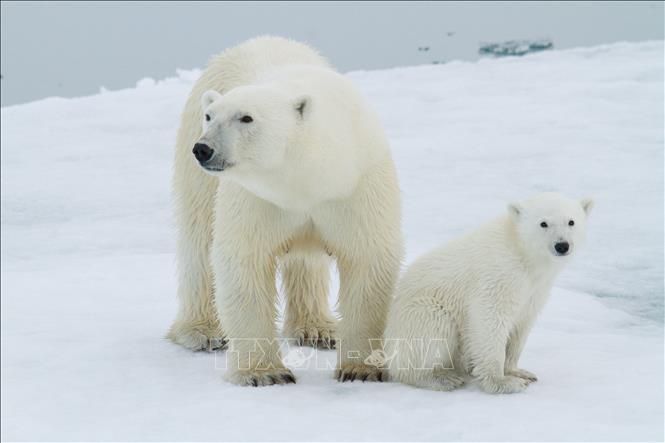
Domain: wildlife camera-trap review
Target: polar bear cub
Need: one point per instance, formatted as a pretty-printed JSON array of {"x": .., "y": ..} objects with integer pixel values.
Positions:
[{"x": 467, "y": 308}]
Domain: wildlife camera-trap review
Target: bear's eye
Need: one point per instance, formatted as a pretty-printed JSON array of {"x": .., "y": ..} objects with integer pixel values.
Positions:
[
  {"x": 571, "y": 223},
  {"x": 543, "y": 225},
  {"x": 246, "y": 119},
  {"x": 207, "y": 117}
]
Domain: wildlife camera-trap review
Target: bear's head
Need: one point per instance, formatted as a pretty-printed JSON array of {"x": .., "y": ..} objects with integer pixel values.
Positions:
[
  {"x": 248, "y": 130},
  {"x": 549, "y": 225}
]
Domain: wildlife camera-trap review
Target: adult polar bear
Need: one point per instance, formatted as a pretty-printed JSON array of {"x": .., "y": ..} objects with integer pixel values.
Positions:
[{"x": 290, "y": 166}]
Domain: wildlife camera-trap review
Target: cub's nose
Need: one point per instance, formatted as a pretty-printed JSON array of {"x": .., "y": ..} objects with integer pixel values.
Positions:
[
  {"x": 562, "y": 247},
  {"x": 203, "y": 152}
]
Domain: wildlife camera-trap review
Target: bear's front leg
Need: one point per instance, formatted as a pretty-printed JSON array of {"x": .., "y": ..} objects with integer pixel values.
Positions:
[
  {"x": 247, "y": 235},
  {"x": 246, "y": 297},
  {"x": 364, "y": 234},
  {"x": 366, "y": 286}
]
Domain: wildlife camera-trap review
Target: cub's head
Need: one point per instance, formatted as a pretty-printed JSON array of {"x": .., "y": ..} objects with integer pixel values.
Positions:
[
  {"x": 248, "y": 129},
  {"x": 550, "y": 225}
]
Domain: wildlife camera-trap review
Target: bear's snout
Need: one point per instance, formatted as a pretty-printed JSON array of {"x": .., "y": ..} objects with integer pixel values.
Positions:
[
  {"x": 203, "y": 152},
  {"x": 562, "y": 247}
]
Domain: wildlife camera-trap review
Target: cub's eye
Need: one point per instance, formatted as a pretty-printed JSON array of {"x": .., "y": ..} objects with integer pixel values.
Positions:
[
  {"x": 571, "y": 223},
  {"x": 543, "y": 225},
  {"x": 246, "y": 119},
  {"x": 207, "y": 117}
]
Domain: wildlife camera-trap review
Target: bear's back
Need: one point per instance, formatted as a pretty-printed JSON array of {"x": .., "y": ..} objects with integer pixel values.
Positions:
[
  {"x": 244, "y": 63},
  {"x": 341, "y": 116}
]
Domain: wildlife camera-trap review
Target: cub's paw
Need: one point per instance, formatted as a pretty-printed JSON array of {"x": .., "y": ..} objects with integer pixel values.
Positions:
[
  {"x": 348, "y": 372},
  {"x": 503, "y": 385},
  {"x": 197, "y": 338},
  {"x": 521, "y": 373},
  {"x": 314, "y": 336},
  {"x": 260, "y": 377},
  {"x": 447, "y": 380}
]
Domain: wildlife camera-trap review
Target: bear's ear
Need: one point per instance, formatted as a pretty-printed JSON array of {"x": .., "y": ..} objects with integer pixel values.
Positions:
[
  {"x": 208, "y": 97},
  {"x": 587, "y": 204},
  {"x": 302, "y": 105},
  {"x": 515, "y": 210}
]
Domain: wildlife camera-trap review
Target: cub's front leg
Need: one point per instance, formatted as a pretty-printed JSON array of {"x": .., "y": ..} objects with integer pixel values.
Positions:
[
  {"x": 487, "y": 338},
  {"x": 519, "y": 334},
  {"x": 514, "y": 348}
]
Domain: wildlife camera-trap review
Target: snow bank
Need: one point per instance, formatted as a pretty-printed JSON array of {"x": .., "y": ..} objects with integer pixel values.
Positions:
[{"x": 87, "y": 259}]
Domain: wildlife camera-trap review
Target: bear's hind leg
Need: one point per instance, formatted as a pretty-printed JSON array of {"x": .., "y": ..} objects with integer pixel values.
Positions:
[
  {"x": 306, "y": 279},
  {"x": 196, "y": 326}
]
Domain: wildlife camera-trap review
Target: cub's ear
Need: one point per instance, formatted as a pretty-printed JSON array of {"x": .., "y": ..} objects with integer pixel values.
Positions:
[
  {"x": 515, "y": 210},
  {"x": 303, "y": 105},
  {"x": 587, "y": 204},
  {"x": 208, "y": 97}
]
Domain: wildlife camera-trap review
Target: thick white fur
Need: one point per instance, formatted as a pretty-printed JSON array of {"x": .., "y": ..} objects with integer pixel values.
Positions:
[
  {"x": 311, "y": 178},
  {"x": 467, "y": 308}
]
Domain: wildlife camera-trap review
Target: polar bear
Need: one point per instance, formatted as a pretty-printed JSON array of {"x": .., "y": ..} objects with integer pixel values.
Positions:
[
  {"x": 467, "y": 307},
  {"x": 281, "y": 164}
]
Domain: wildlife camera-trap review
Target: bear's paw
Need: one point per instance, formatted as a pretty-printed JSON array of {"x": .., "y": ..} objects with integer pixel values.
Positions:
[
  {"x": 260, "y": 377},
  {"x": 197, "y": 338},
  {"x": 314, "y": 336},
  {"x": 352, "y": 372}
]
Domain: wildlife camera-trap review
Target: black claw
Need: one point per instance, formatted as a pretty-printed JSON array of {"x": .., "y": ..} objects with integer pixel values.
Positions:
[
  {"x": 274, "y": 380},
  {"x": 215, "y": 344},
  {"x": 364, "y": 377},
  {"x": 255, "y": 382},
  {"x": 289, "y": 378},
  {"x": 347, "y": 376}
]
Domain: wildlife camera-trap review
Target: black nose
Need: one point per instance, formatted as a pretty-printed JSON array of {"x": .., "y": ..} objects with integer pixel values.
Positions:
[
  {"x": 562, "y": 247},
  {"x": 203, "y": 152}
]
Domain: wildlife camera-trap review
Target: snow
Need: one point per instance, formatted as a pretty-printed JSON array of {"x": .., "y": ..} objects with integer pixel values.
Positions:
[{"x": 88, "y": 286}]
